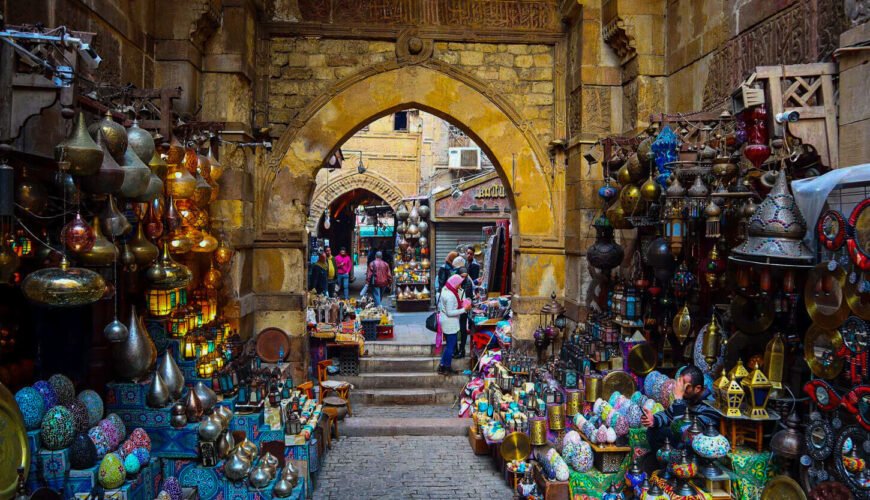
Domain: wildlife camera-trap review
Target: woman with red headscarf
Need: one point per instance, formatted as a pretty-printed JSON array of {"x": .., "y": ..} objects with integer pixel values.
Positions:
[{"x": 451, "y": 305}]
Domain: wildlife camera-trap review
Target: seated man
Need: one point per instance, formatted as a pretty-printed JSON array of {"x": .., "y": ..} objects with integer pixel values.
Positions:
[{"x": 689, "y": 391}]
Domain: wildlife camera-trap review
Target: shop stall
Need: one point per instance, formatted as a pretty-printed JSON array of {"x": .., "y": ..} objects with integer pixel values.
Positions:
[{"x": 412, "y": 272}]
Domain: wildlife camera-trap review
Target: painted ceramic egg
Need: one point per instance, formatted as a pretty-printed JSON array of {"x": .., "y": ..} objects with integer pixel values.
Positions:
[
  {"x": 80, "y": 416},
  {"x": 667, "y": 391},
  {"x": 143, "y": 455},
  {"x": 584, "y": 459},
  {"x": 63, "y": 387},
  {"x": 119, "y": 425},
  {"x": 598, "y": 406},
  {"x": 32, "y": 407},
  {"x": 637, "y": 397},
  {"x": 58, "y": 430},
  {"x": 601, "y": 434},
  {"x": 112, "y": 474},
  {"x": 94, "y": 403},
  {"x": 621, "y": 427},
  {"x": 126, "y": 448},
  {"x": 579, "y": 420},
  {"x": 634, "y": 415},
  {"x": 82, "y": 452},
  {"x": 649, "y": 404},
  {"x": 163, "y": 496},
  {"x": 140, "y": 438},
  {"x": 614, "y": 398},
  {"x": 571, "y": 437},
  {"x": 173, "y": 487},
  {"x": 590, "y": 431},
  {"x": 100, "y": 440},
  {"x": 611, "y": 435},
  {"x": 111, "y": 433},
  {"x": 569, "y": 452},
  {"x": 132, "y": 465},
  {"x": 49, "y": 397}
]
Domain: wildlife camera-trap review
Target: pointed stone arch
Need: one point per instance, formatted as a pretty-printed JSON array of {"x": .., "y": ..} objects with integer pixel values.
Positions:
[{"x": 370, "y": 181}]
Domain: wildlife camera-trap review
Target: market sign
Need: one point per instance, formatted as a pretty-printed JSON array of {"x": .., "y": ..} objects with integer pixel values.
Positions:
[
  {"x": 375, "y": 232},
  {"x": 486, "y": 199}
]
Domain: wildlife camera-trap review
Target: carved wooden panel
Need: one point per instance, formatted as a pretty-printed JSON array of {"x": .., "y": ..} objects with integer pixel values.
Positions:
[
  {"x": 532, "y": 15},
  {"x": 807, "y": 31}
]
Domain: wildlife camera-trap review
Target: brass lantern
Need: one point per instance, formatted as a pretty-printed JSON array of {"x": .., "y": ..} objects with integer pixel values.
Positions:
[
  {"x": 735, "y": 396},
  {"x": 774, "y": 359},
  {"x": 758, "y": 387},
  {"x": 675, "y": 229},
  {"x": 710, "y": 347},
  {"x": 178, "y": 322},
  {"x": 160, "y": 302},
  {"x": 720, "y": 390},
  {"x": 739, "y": 372}
]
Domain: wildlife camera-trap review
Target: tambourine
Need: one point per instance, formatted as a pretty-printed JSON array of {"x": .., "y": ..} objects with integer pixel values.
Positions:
[
  {"x": 831, "y": 229},
  {"x": 858, "y": 235}
]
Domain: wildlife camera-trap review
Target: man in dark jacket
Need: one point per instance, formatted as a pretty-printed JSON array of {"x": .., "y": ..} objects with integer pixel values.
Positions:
[
  {"x": 689, "y": 392},
  {"x": 471, "y": 264}
]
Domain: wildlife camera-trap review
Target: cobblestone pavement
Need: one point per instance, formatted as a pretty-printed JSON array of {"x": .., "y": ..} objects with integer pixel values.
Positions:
[
  {"x": 407, "y": 467},
  {"x": 421, "y": 411}
]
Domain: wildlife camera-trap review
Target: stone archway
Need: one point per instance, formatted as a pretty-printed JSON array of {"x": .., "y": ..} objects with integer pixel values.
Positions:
[
  {"x": 536, "y": 187},
  {"x": 370, "y": 181}
]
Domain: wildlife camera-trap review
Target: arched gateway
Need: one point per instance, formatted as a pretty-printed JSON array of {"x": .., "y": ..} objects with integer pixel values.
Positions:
[
  {"x": 370, "y": 181},
  {"x": 534, "y": 185}
]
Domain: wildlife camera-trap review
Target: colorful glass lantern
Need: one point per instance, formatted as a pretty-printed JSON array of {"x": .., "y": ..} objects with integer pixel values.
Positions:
[
  {"x": 675, "y": 230},
  {"x": 634, "y": 477},
  {"x": 613, "y": 493},
  {"x": 23, "y": 246},
  {"x": 655, "y": 493},
  {"x": 161, "y": 302},
  {"x": 207, "y": 305},
  {"x": 188, "y": 347},
  {"x": 758, "y": 387},
  {"x": 665, "y": 150},
  {"x": 201, "y": 345},
  {"x": 684, "y": 470},
  {"x": 178, "y": 323},
  {"x": 735, "y": 397}
]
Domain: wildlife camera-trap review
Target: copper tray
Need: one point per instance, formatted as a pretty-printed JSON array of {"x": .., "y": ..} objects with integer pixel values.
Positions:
[
  {"x": 783, "y": 487},
  {"x": 14, "y": 452},
  {"x": 270, "y": 343}
]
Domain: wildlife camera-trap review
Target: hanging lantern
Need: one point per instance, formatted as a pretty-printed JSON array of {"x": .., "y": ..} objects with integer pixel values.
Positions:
[
  {"x": 665, "y": 150},
  {"x": 605, "y": 253},
  {"x": 179, "y": 183},
  {"x": 710, "y": 346},
  {"x": 114, "y": 135},
  {"x": 207, "y": 244},
  {"x": 167, "y": 274},
  {"x": 414, "y": 215},
  {"x": 157, "y": 165},
  {"x": 207, "y": 307},
  {"x": 143, "y": 250},
  {"x": 713, "y": 214},
  {"x": 201, "y": 192},
  {"x": 191, "y": 159},
  {"x": 607, "y": 192},
  {"x": 758, "y": 387},
  {"x": 774, "y": 360},
  {"x": 30, "y": 194},
  {"x": 223, "y": 254},
  {"x": 110, "y": 176},
  {"x": 63, "y": 286},
  {"x": 80, "y": 150},
  {"x": 188, "y": 347},
  {"x": 140, "y": 142},
  {"x": 103, "y": 252},
  {"x": 153, "y": 222},
  {"x": 160, "y": 302},
  {"x": 212, "y": 278},
  {"x": 682, "y": 324},
  {"x": 715, "y": 266},
  {"x": 683, "y": 281},
  {"x": 650, "y": 191},
  {"x": 756, "y": 149},
  {"x": 9, "y": 261},
  {"x": 136, "y": 175},
  {"x": 23, "y": 245},
  {"x": 77, "y": 235},
  {"x": 629, "y": 199},
  {"x": 675, "y": 230},
  {"x": 217, "y": 170},
  {"x": 179, "y": 242},
  {"x": 114, "y": 222},
  {"x": 178, "y": 322}
]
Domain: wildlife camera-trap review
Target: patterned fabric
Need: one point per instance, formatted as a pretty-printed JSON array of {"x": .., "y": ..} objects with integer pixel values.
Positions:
[
  {"x": 593, "y": 483},
  {"x": 751, "y": 472}
]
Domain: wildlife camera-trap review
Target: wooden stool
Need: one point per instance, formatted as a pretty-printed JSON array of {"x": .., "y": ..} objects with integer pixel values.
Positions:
[
  {"x": 342, "y": 389},
  {"x": 331, "y": 423},
  {"x": 740, "y": 431}
]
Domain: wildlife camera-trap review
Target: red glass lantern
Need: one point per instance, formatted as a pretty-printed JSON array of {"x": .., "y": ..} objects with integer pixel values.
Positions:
[{"x": 77, "y": 235}]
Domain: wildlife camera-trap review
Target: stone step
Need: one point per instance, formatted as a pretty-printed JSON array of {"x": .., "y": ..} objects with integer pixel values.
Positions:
[
  {"x": 380, "y": 349},
  {"x": 399, "y": 364},
  {"x": 375, "y": 426},
  {"x": 402, "y": 396},
  {"x": 405, "y": 380}
]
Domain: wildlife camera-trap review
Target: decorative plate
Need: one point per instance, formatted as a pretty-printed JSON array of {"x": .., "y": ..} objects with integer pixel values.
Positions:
[
  {"x": 822, "y": 352},
  {"x": 617, "y": 381},
  {"x": 783, "y": 487},
  {"x": 821, "y": 446},
  {"x": 271, "y": 343},
  {"x": 824, "y": 295},
  {"x": 858, "y": 235},
  {"x": 859, "y": 303},
  {"x": 831, "y": 230},
  {"x": 14, "y": 452},
  {"x": 642, "y": 359}
]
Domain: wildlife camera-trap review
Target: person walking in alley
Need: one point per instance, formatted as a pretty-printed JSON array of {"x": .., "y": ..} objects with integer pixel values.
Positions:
[
  {"x": 472, "y": 265},
  {"x": 379, "y": 277},
  {"x": 343, "y": 269},
  {"x": 450, "y": 308},
  {"x": 317, "y": 276}
]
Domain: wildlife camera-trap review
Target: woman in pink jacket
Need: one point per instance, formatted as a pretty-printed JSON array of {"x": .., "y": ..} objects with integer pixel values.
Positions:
[{"x": 343, "y": 268}]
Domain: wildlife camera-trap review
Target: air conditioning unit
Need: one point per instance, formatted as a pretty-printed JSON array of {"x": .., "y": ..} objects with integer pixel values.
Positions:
[{"x": 463, "y": 158}]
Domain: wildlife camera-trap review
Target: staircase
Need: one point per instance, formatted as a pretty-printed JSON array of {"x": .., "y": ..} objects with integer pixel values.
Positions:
[{"x": 398, "y": 391}]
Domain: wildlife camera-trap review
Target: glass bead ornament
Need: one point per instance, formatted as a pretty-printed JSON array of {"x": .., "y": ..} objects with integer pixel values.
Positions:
[{"x": 77, "y": 235}]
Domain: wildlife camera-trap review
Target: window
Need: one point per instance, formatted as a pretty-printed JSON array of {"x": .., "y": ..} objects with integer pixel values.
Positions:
[{"x": 400, "y": 121}]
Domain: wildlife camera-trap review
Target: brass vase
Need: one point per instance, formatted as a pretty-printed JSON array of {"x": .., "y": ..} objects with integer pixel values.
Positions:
[
  {"x": 115, "y": 135},
  {"x": 114, "y": 222},
  {"x": 80, "y": 150},
  {"x": 102, "y": 254},
  {"x": 171, "y": 375},
  {"x": 137, "y": 175},
  {"x": 158, "y": 393},
  {"x": 141, "y": 142},
  {"x": 132, "y": 357},
  {"x": 110, "y": 175},
  {"x": 144, "y": 251}
]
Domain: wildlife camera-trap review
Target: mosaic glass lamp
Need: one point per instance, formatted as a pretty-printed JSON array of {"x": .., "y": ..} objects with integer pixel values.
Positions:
[{"x": 711, "y": 446}]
